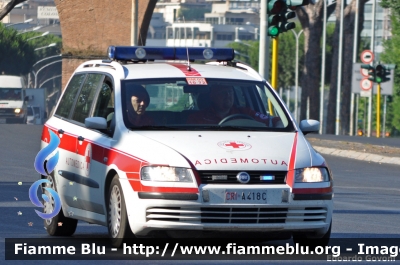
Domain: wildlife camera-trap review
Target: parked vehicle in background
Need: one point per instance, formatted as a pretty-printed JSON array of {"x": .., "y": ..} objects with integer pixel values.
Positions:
[
  {"x": 38, "y": 102},
  {"x": 34, "y": 115},
  {"x": 13, "y": 107}
]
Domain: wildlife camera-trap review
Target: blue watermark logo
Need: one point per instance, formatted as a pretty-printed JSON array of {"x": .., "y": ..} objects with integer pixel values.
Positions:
[{"x": 45, "y": 170}]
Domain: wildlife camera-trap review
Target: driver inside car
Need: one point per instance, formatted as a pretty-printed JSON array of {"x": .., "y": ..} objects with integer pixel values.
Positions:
[{"x": 222, "y": 106}]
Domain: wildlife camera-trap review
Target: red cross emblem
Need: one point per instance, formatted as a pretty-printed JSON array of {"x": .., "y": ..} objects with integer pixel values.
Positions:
[
  {"x": 87, "y": 159},
  {"x": 236, "y": 145}
]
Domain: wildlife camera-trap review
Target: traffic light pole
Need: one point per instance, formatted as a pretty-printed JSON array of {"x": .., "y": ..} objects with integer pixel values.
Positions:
[
  {"x": 384, "y": 117},
  {"x": 274, "y": 69},
  {"x": 372, "y": 48},
  {"x": 378, "y": 110}
]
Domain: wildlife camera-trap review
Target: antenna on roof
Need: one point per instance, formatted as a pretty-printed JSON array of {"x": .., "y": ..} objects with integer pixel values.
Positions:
[
  {"x": 187, "y": 50},
  {"x": 140, "y": 36}
]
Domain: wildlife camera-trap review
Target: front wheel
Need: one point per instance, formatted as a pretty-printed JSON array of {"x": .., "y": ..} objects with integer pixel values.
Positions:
[
  {"x": 59, "y": 225},
  {"x": 117, "y": 218}
]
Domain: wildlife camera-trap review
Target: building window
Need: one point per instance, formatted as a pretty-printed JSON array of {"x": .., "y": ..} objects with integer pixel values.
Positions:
[
  {"x": 226, "y": 36},
  {"x": 234, "y": 21},
  {"x": 212, "y": 20}
]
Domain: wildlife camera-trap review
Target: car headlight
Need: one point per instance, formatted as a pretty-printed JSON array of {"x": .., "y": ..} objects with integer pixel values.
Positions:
[
  {"x": 163, "y": 173},
  {"x": 311, "y": 174},
  {"x": 17, "y": 110}
]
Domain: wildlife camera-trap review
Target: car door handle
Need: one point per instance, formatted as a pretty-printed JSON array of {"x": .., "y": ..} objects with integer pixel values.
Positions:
[
  {"x": 80, "y": 138},
  {"x": 60, "y": 133}
]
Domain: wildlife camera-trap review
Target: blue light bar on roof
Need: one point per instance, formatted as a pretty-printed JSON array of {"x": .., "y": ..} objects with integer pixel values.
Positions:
[{"x": 128, "y": 53}]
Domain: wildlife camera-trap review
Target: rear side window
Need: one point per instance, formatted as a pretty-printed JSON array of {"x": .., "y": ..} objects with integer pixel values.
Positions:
[
  {"x": 68, "y": 98},
  {"x": 86, "y": 96}
]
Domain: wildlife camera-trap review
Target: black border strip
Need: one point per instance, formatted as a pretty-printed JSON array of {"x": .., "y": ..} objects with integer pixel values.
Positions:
[
  {"x": 322, "y": 196},
  {"x": 168, "y": 196}
]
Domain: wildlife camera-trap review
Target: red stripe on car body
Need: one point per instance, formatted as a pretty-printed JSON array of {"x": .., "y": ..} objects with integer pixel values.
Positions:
[
  {"x": 125, "y": 162},
  {"x": 184, "y": 69},
  {"x": 292, "y": 163}
]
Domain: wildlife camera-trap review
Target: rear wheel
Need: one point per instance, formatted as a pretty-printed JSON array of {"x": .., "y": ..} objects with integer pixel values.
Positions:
[
  {"x": 117, "y": 218},
  {"x": 59, "y": 225}
]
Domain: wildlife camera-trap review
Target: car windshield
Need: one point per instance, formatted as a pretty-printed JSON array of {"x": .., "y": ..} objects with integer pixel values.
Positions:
[
  {"x": 202, "y": 104},
  {"x": 10, "y": 94}
]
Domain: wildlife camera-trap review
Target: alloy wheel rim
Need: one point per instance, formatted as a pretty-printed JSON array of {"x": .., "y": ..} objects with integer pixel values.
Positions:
[
  {"x": 114, "y": 214},
  {"x": 48, "y": 206}
]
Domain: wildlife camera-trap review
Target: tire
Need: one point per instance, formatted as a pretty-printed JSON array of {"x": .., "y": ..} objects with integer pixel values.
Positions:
[
  {"x": 117, "y": 218},
  {"x": 312, "y": 241},
  {"x": 67, "y": 225}
]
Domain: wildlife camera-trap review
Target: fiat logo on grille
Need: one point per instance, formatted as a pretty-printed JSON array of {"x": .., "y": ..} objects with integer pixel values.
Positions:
[{"x": 243, "y": 177}]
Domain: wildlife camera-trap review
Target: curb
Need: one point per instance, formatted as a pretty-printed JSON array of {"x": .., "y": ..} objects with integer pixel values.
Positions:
[{"x": 358, "y": 155}]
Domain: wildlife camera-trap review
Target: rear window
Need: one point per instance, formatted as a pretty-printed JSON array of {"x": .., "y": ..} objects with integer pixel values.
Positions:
[{"x": 68, "y": 98}]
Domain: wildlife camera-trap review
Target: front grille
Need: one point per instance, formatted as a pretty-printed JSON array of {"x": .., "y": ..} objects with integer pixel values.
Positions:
[
  {"x": 255, "y": 177},
  {"x": 7, "y": 112},
  {"x": 237, "y": 215}
]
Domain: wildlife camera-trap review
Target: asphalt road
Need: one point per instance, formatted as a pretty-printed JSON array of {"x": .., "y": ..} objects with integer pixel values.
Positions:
[
  {"x": 388, "y": 141},
  {"x": 366, "y": 202}
]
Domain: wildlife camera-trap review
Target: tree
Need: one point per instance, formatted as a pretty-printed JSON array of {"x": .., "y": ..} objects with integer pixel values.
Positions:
[
  {"x": 391, "y": 54},
  {"x": 16, "y": 55},
  {"x": 347, "y": 65},
  {"x": 248, "y": 52},
  {"x": 311, "y": 19},
  {"x": 5, "y": 10}
]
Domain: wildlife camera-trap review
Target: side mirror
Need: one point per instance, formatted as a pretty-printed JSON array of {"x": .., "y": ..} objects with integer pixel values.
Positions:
[
  {"x": 98, "y": 123},
  {"x": 308, "y": 126}
]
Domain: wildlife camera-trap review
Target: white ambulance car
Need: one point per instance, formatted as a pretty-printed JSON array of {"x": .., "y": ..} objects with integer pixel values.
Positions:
[{"x": 152, "y": 144}]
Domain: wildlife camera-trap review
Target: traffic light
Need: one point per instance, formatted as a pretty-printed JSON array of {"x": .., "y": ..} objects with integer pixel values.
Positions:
[
  {"x": 383, "y": 71},
  {"x": 275, "y": 11},
  {"x": 371, "y": 71},
  {"x": 379, "y": 73},
  {"x": 278, "y": 15}
]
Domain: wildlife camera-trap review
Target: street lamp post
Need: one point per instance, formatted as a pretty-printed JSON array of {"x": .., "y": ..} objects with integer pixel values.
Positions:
[
  {"x": 42, "y": 35},
  {"x": 48, "y": 46},
  {"x": 339, "y": 77},
  {"x": 26, "y": 21},
  {"x": 44, "y": 59},
  {"x": 26, "y": 31},
  {"x": 321, "y": 103},
  {"x": 36, "y": 74},
  {"x": 296, "y": 89},
  {"x": 49, "y": 79}
]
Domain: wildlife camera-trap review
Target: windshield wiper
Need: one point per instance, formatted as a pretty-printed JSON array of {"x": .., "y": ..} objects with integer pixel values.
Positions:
[
  {"x": 239, "y": 128},
  {"x": 153, "y": 127}
]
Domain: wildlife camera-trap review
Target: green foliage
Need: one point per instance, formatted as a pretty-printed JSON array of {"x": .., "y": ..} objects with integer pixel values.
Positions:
[
  {"x": 16, "y": 55},
  {"x": 17, "y": 51},
  {"x": 394, "y": 5},
  {"x": 287, "y": 58},
  {"x": 391, "y": 54},
  {"x": 248, "y": 52}
]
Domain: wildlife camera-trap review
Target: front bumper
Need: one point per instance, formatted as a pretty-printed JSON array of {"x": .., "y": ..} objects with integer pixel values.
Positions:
[
  {"x": 14, "y": 118},
  {"x": 211, "y": 212}
]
